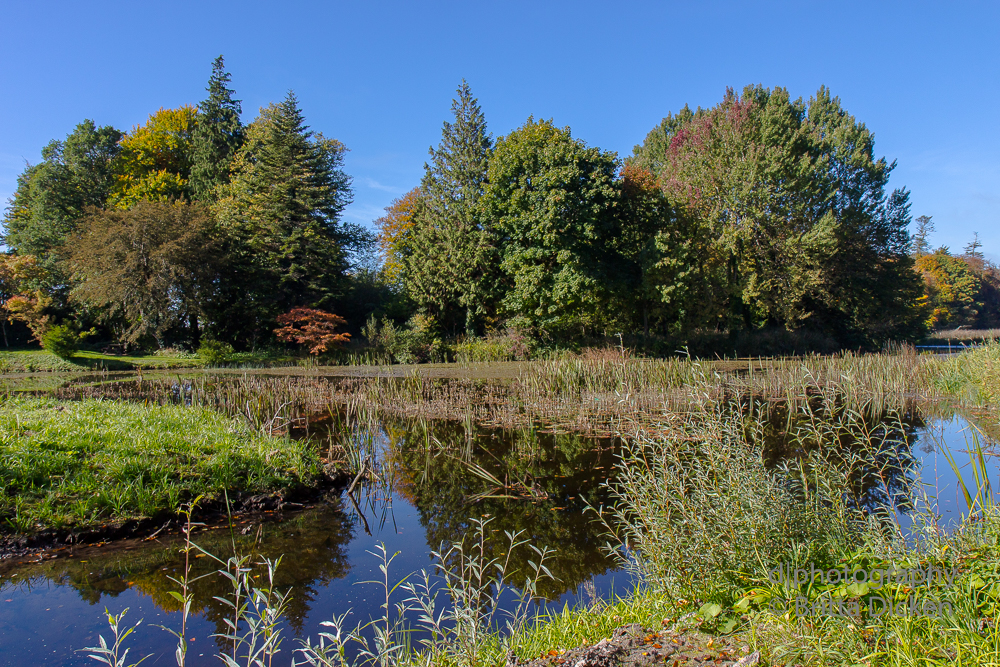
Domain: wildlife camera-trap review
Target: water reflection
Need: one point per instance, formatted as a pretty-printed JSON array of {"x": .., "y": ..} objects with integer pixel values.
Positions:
[
  {"x": 529, "y": 481},
  {"x": 438, "y": 475},
  {"x": 314, "y": 544},
  {"x": 433, "y": 477}
]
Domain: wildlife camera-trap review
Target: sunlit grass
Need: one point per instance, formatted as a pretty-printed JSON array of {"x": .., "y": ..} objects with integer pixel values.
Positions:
[
  {"x": 35, "y": 361},
  {"x": 82, "y": 464}
]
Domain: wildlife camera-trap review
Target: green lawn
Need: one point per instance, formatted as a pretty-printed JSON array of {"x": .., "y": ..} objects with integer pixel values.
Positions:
[
  {"x": 32, "y": 361},
  {"x": 82, "y": 464}
]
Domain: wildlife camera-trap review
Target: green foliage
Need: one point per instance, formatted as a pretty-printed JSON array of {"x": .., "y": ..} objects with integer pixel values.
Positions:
[
  {"x": 513, "y": 345},
  {"x": 62, "y": 341},
  {"x": 53, "y": 195},
  {"x": 215, "y": 352},
  {"x": 217, "y": 135},
  {"x": 281, "y": 216},
  {"x": 679, "y": 493},
  {"x": 414, "y": 343},
  {"x": 449, "y": 260},
  {"x": 83, "y": 463},
  {"x": 787, "y": 218},
  {"x": 146, "y": 271},
  {"x": 552, "y": 203}
]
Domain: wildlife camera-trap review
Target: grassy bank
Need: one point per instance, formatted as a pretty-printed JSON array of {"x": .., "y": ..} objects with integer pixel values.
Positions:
[
  {"x": 41, "y": 361},
  {"x": 76, "y": 465}
]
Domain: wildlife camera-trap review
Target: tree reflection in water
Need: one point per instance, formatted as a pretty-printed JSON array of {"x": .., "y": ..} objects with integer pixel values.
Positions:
[
  {"x": 314, "y": 543},
  {"x": 449, "y": 472}
]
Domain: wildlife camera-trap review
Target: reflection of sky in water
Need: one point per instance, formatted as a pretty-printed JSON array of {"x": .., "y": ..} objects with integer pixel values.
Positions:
[
  {"x": 936, "y": 474},
  {"x": 58, "y": 608},
  {"x": 42, "y": 622}
]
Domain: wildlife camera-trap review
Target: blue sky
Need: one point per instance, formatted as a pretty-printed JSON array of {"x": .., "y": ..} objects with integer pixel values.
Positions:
[{"x": 380, "y": 76}]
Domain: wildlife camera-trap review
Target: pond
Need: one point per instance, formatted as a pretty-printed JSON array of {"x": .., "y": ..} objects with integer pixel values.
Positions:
[{"x": 433, "y": 479}]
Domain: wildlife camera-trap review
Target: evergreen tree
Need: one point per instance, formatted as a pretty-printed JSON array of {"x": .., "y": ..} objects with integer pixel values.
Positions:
[
  {"x": 973, "y": 247},
  {"x": 449, "y": 261},
  {"x": 281, "y": 214},
  {"x": 925, "y": 227},
  {"x": 217, "y": 135}
]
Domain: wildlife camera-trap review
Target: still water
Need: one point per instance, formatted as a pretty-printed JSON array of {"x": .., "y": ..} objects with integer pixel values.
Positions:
[{"x": 436, "y": 478}]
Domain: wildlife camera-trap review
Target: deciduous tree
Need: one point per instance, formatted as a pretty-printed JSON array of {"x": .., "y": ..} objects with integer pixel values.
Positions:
[
  {"x": 552, "y": 202},
  {"x": 316, "y": 329},
  {"x": 395, "y": 233},
  {"x": 792, "y": 200},
  {"x": 155, "y": 160},
  {"x": 53, "y": 195},
  {"x": 147, "y": 270},
  {"x": 952, "y": 290}
]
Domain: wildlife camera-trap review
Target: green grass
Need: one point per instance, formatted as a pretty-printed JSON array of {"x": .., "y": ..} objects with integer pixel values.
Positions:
[
  {"x": 70, "y": 465},
  {"x": 972, "y": 377},
  {"x": 35, "y": 361}
]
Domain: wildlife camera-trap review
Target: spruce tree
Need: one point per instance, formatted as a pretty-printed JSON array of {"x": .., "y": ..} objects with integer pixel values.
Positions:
[
  {"x": 217, "y": 135},
  {"x": 448, "y": 270},
  {"x": 281, "y": 213}
]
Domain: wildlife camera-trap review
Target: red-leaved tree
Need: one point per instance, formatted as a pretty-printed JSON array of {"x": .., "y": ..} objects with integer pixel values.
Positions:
[{"x": 315, "y": 328}]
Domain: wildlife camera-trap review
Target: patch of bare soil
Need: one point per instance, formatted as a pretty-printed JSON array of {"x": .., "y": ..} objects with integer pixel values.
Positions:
[{"x": 635, "y": 646}]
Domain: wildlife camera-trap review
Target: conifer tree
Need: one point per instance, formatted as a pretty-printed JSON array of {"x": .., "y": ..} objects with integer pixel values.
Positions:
[
  {"x": 448, "y": 268},
  {"x": 218, "y": 134},
  {"x": 925, "y": 227},
  {"x": 281, "y": 213}
]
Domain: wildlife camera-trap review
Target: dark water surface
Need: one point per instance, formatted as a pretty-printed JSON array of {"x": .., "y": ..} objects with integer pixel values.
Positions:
[{"x": 434, "y": 478}]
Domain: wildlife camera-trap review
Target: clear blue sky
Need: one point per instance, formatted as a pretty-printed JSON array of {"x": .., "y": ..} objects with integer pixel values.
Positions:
[{"x": 380, "y": 76}]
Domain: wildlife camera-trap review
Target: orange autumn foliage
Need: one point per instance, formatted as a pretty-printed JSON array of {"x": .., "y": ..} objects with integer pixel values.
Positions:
[
  {"x": 314, "y": 328},
  {"x": 394, "y": 231}
]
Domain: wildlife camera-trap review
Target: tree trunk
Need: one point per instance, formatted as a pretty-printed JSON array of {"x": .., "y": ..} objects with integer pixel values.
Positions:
[{"x": 195, "y": 331}]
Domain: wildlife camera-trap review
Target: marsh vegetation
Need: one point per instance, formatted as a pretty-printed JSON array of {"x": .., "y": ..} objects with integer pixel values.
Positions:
[{"x": 705, "y": 475}]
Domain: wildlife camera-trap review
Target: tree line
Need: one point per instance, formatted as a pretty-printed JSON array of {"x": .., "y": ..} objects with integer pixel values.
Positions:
[
  {"x": 190, "y": 225},
  {"x": 759, "y": 212}
]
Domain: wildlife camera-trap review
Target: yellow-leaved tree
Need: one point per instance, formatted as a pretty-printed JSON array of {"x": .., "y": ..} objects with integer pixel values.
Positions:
[
  {"x": 395, "y": 230},
  {"x": 155, "y": 159}
]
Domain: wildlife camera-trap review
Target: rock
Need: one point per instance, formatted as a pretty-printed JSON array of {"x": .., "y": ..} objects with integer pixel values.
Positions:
[{"x": 749, "y": 660}]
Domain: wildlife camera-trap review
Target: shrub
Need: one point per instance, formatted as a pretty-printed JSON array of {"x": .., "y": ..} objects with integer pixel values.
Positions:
[
  {"x": 705, "y": 511},
  {"x": 61, "y": 341},
  {"x": 412, "y": 344},
  {"x": 215, "y": 352},
  {"x": 316, "y": 329},
  {"x": 512, "y": 345}
]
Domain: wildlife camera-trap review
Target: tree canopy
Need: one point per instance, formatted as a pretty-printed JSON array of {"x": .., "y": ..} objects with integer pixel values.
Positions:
[
  {"x": 551, "y": 201},
  {"x": 788, "y": 200},
  {"x": 760, "y": 212},
  {"x": 449, "y": 259}
]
